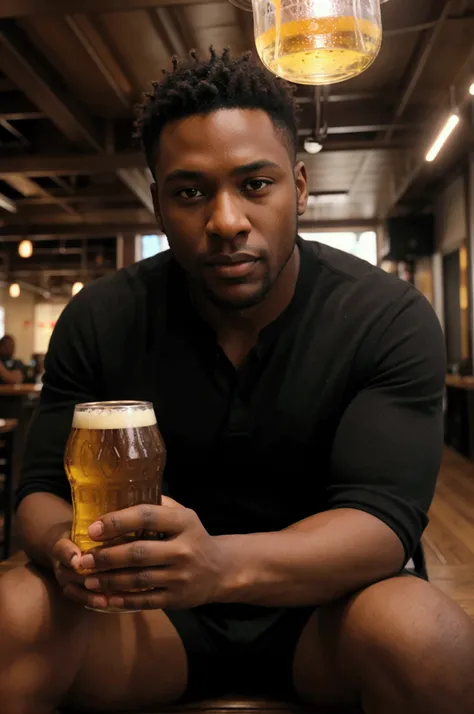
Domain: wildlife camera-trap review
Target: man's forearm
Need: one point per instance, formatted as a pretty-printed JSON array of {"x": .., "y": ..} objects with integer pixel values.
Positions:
[
  {"x": 313, "y": 562},
  {"x": 42, "y": 518}
]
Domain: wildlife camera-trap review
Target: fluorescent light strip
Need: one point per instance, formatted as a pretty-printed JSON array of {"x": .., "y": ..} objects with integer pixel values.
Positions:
[{"x": 443, "y": 136}]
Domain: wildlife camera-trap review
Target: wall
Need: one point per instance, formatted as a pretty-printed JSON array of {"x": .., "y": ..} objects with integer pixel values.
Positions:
[
  {"x": 450, "y": 216},
  {"x": 46, "y": 316},
  {"x": 450, "y": 213},
  {"x": 19, "y": 321}
]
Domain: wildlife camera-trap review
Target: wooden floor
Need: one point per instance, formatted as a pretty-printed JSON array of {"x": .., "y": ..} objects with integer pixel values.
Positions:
[{"x": 449, "y": 538}]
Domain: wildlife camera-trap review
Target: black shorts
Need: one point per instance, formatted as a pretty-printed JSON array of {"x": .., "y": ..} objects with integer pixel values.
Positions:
[{"x": 240, "y": 650}]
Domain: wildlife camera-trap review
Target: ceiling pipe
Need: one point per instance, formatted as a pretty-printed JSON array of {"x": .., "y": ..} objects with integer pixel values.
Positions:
[{"x": 247, "y": 4}]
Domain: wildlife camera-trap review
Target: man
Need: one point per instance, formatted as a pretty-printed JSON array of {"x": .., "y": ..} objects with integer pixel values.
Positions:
[
  {"x": 12, "y": 371},
  {"x": 299, "y": 393}
]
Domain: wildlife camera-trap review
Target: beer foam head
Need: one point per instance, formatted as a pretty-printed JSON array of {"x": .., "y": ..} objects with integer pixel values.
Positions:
[{"x": 114, "y": 415}]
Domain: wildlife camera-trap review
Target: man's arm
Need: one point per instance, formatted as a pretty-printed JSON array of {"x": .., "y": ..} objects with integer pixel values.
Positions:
[
  {"x": 43, "y": 498},
  {"x": 385, "y": 461},
  {"x": 14, "y": 376}
]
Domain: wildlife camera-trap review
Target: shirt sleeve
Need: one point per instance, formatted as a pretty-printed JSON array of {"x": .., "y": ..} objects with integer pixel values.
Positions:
[
  {"x": 387, "y": 449},
  {"x": 71, "y": 377}
]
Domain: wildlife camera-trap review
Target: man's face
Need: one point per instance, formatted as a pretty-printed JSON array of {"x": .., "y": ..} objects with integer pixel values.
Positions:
[
  {"x": 228, "y": 198},
  {"x": 7, "y": 348}
]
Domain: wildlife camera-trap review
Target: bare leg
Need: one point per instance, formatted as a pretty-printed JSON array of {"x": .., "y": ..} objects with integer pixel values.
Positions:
[
  {"x": 399, "y": 646},
  {"x": 53, "y": 651}
]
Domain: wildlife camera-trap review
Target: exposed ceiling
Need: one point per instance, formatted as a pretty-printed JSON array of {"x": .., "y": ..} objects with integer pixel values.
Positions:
[{"x": 71, "y": 71}]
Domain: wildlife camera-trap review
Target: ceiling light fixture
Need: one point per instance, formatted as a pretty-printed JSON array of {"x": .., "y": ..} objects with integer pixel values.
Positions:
[
  {"x": 311, "y": 146},
  {"x": 329, "y": 197},
  {"x": 471, "y": 90},
  {"x": 25, "y": 249},
  {"x": 443, "y": 136},
  {"x": 76, "y": 288},
  {"x": 14, "y": 290}
]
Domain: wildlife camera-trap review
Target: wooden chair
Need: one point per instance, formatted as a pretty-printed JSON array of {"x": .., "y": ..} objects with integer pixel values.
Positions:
[{"x": 239, "y": 705}]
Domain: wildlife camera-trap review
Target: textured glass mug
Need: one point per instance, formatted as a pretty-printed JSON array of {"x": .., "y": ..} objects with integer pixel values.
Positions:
[
  {"x": 114, "y": 458},
  {"x": 317, "y": 42}
]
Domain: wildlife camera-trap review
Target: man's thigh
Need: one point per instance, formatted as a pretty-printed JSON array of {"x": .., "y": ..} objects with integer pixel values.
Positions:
[
  {"x": 89, "y": 661},
  {"x": 400, "y": 623}
]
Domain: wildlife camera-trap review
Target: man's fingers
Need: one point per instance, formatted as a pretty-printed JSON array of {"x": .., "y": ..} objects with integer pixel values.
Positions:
[
  {"x": 153, "y": 600},
  {"x": 145, "y": 517},
  {"x": 123, "y": 581},
  {"x": 64, "y": 576},
  {"x": 67, "y": 553},
  {"x": 85, "y": 597},
  {"x": 139, "y": 554}
]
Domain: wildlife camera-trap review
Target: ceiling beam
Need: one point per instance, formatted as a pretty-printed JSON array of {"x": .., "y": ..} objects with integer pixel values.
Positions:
[
  {"x": 108, "y": 193},
  {"x": 168, "y": 31},
  {"x": 92, "y": 40},
  {"x": 42, "y": 85},
  {"x": 421, "y": 56},
  {"x": 14, "y": 106},
  {"x": 28, "y": 188},
  {"x": 76, "y": 164},
  {"x": 89, "y": 35},
  {"x": 139, "y": 186},
  {"x": 7, "y": 204},
  {"x": 31, "y": 8},
  {"x": 54, "y": 231},
  {"x": 34, "y": 165},
  {"x": 39, "y": 81}
]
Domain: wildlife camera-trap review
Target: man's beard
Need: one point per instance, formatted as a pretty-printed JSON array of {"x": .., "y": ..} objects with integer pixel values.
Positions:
[{"x": 251, "y": 300}]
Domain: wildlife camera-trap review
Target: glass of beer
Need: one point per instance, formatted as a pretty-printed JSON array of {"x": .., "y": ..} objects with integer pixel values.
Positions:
[
  {"x": 115, "y": 458},
  {"x": 317, "y": 41}
]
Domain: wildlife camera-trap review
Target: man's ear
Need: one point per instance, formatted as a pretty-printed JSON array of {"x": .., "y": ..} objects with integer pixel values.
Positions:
[
  {"x": 156, "y": 205},
  {"x": 301, "y": 181}
]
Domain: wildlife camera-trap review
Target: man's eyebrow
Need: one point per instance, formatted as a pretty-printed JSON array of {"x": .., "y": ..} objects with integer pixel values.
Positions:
[{"x": 185, "y": 175}]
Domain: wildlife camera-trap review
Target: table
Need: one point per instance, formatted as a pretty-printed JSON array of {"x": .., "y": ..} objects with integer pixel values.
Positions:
[
  {"x": 19, "y": 390},
  {"x": 7, "y": 425},
  {"x": 458, "y": 382}
]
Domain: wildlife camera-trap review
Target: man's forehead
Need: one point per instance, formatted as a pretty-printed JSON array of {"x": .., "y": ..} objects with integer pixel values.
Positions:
[{"x": 235, "y": 136}]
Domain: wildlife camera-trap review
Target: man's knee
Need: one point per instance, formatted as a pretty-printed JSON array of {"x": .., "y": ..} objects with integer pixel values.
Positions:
[
  {"x": 410, "y": 626},
  {"x": 29, "y": 605}
]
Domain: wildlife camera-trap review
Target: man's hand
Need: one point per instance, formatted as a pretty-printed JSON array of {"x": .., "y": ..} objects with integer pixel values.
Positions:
[
  {"x": 184, "y": 570},
  {"x": 66, "y": 558}
]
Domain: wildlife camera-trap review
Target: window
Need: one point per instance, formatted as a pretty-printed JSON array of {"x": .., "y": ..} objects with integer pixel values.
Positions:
[
  {"x": 153, "y": 244},
  {"x": 362, "y": 245}
]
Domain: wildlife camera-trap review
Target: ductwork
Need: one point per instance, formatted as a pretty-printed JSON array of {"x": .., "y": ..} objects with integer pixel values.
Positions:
[{"x": 247, "y": 4}]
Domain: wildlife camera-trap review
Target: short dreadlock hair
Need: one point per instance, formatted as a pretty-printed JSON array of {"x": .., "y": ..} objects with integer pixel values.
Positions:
[{"x": 220, "y": 82}]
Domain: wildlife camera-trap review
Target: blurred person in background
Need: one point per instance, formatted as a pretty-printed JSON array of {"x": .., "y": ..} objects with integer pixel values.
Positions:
[{"x": 12, "y": 371}]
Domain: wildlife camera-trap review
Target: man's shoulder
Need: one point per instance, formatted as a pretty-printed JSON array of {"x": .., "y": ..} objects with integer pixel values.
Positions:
[{"x": 350, "y": 277}]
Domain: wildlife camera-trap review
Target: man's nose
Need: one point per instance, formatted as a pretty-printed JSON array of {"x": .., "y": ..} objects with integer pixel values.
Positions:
[{"x": 228, "y": 219}]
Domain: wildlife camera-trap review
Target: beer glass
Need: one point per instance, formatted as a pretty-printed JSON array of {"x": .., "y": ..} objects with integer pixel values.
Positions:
[
  {"x": 317, "y": 41},
  {"x": 115, "y": 458}
]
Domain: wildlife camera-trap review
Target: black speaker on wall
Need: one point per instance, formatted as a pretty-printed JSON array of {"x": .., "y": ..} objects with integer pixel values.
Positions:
[{"x": 410, "y": 237}]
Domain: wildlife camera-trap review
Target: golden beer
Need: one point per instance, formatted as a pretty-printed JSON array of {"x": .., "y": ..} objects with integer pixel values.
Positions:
[
  {"x": 115, "y": 458},
  {"x": 320, "y": 50}
]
